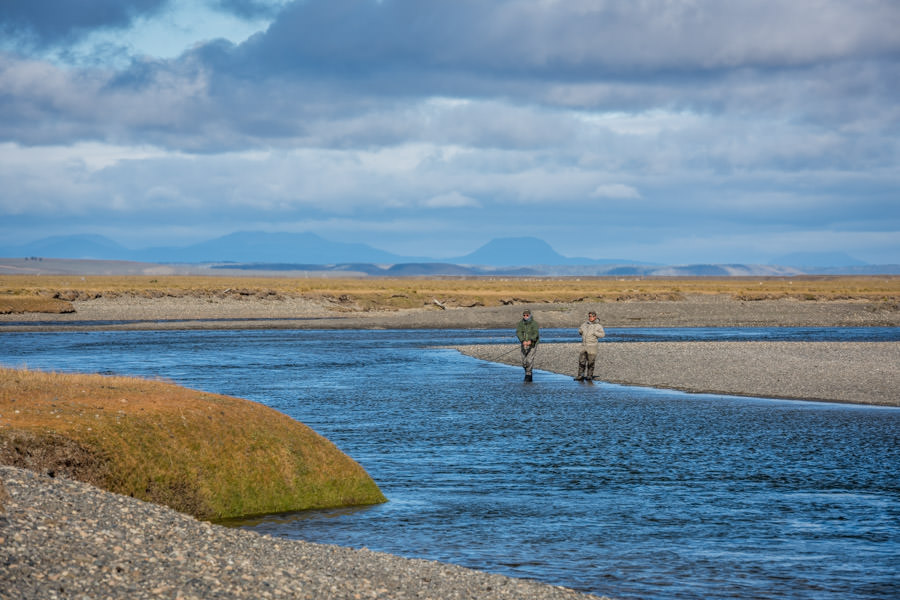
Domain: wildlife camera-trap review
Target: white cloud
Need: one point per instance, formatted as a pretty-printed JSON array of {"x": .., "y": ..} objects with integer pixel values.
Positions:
[
  {"x": 451, "y": 200},
  {"x": 615, "y": 190}
]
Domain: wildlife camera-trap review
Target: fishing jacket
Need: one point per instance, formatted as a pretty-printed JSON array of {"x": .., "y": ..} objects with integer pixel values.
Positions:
[
  {"x": 590, "y": 333},
  {"x": 528, "y": 330}
]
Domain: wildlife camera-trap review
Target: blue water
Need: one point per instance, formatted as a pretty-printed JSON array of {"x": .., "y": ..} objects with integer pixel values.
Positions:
[{"x": 628, "y": 492}]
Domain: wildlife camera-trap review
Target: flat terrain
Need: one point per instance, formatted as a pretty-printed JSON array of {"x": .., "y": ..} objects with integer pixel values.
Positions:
[
  {"x": 863, "y": 373},
  {"x": 29, "y": 302}
]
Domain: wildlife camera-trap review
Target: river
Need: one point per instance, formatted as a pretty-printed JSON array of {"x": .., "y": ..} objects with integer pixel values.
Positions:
[{"x": 616, "y": 490}]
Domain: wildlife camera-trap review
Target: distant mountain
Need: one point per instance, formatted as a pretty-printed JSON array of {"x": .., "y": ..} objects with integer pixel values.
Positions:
[
  {"x": 818, "y": 259},
  {"x": 522, "y": 251},
  {"x": 94, "y": 247},
  {"x": 241, "y": 247},
  {"x": 255, "y": 246},
  {"x": 295, "y": 248},
  {"x": 394, "y": 270},
  {"x": 282, "y": 252}
]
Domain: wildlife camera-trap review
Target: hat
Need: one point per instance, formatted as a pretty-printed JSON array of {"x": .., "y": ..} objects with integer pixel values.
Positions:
[{"x": 526, "y": 312}]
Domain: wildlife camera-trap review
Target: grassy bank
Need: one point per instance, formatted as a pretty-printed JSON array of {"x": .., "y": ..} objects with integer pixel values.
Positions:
[
  {"x": 207, "y": 455},
  {"x": 365, "y": 294},
  {"x": 35, "y": 303}
]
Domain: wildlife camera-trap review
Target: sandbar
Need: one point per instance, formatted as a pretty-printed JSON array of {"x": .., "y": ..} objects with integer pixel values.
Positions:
[{"x": 850, "y": 372}]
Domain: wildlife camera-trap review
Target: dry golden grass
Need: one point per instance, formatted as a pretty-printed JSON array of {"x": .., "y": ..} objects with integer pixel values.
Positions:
[
  {"x": 396, "y": 293},
  {"x": 208, "y": 455},
  {"x": 35, "y": 304}
]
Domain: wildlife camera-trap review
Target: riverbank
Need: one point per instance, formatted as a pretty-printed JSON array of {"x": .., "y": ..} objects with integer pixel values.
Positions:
[
  {"x": 66, "y": 539},
  {"x": 272, "y": 312},
  {"x": 852, "y": 372},
  {"x": 207, "y": 455}
]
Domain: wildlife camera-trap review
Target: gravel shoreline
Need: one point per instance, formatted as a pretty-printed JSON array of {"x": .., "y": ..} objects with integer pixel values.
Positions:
[
  {"x": 127, "y": 312},
  {"x": 67, "y": 539},
  {"x": 851, "y": 372}
]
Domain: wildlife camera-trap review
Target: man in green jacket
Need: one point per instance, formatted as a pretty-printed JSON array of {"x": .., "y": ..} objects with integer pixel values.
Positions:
[{"x": 528, "y": 333}]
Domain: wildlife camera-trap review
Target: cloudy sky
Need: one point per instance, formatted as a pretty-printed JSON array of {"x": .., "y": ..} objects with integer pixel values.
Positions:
[{"x": 672, "y": 131}]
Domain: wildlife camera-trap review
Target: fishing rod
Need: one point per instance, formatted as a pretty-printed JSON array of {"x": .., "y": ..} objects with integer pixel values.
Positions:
[{"x": 499, "y": 356}]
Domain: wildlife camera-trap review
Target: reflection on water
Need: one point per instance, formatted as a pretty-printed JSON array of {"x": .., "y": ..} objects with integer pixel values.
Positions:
[{"x": 628, "y": 492}]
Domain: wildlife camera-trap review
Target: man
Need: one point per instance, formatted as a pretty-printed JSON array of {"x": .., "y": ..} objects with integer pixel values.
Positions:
[
  {"x": 528, "y": 333},
  {"x": 590, "y": 332}
]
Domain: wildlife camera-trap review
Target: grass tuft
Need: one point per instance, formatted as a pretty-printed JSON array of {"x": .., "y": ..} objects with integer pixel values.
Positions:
[{"x": 207, "y": 455}]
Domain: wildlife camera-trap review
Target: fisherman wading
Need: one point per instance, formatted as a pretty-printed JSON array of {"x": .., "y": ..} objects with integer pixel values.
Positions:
[
  {"x": 590, "y": 332},
  {"x": 528, "y": 333}
]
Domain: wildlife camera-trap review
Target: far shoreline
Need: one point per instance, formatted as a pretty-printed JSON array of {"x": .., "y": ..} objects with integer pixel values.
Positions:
[{"x": 167, "y": 313}]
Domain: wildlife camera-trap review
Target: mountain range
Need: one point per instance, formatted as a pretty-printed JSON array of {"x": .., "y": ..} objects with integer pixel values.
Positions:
[
  {"x": 290, "y": 248},
  {"x": 263, "y": 251}
]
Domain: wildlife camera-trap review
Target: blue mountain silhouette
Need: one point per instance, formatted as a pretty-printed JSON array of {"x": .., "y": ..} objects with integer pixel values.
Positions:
[{"x": 517, "y": 251}]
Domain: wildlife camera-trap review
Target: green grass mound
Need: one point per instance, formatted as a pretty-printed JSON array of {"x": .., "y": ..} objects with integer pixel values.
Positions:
[{"x": 206, "y": 455}]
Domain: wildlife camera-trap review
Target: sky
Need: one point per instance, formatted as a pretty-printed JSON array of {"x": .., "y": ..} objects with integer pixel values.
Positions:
[{"x": 668, "y": 131}]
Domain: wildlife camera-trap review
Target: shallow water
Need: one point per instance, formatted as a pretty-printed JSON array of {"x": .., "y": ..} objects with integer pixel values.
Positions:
[{"x": 629, "y": 492}]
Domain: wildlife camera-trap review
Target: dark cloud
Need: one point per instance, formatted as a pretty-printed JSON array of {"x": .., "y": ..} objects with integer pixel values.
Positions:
[
  {"x": 325, "y": 66},
  {"x": 573, "y": 40},
  {"x": 248, "y": 9},
  {"x": 45, "y": 23}
]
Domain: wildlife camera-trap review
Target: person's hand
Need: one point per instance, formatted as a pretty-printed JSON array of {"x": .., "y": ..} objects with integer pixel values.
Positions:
[{"x": 526, "y": 343}]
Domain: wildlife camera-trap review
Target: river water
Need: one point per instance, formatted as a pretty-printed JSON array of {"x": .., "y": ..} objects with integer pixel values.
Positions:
[{"x": 616, "y": 490}]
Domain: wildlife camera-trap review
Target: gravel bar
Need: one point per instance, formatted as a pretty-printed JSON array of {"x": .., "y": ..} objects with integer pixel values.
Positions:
[
  {"x": 66, "y": 539},
  {"x": 852, "y": 372},
  {"x": 297, "y": 313}
]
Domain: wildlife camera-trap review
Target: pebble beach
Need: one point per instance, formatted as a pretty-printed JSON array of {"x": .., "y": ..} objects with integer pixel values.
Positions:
[{"x": 66, "y": 539}]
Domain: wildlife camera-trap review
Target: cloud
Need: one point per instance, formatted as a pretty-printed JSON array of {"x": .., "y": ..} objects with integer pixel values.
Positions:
[
  {"x": 341, "y": 73},
  {"x": 250, "y": 9},
  {"x": 696, "y": 116},
  {"x": 615, "y": 190},
  {"x": 44, "y": 23},
  {"x": 577, "y": 39},
  {"x": 451, "y": 200}
]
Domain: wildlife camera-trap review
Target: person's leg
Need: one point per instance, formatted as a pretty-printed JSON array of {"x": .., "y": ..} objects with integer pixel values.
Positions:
[
  {"x": 590, "y": 359},
  {"x": 528, "y": 362},
  {"x": 582, "y": 365}
]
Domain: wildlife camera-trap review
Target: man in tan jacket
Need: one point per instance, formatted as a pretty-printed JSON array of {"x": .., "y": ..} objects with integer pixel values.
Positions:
[{"x": 590, "y": 332}]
